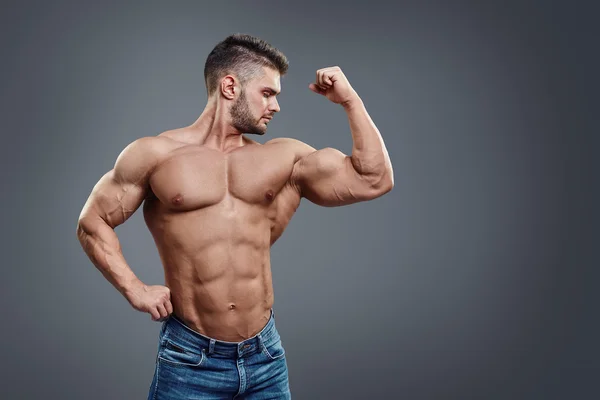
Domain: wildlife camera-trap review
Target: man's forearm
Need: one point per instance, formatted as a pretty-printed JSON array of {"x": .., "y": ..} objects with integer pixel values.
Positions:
[
  {"x": 369, "y": 154},
  {"x": 100, "y": 243}
]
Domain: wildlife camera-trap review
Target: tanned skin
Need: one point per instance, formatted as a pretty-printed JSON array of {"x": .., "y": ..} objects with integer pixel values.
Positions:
[{"x": 216, "y": 201}]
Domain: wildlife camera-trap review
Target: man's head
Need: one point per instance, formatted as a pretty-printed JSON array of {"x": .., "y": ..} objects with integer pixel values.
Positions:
[{"x": 245, "y": 71}]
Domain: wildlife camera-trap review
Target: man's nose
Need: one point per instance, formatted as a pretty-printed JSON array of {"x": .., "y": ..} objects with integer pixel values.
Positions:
[{"x": 275, "y": 106}]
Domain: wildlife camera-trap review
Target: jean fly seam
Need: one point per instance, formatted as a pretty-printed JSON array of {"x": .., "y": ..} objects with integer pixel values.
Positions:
[{"x": 240, "y": 375}]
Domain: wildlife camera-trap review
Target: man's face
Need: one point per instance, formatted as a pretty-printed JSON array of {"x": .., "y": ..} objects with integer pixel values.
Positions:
[{"x": 254, "y": 108}]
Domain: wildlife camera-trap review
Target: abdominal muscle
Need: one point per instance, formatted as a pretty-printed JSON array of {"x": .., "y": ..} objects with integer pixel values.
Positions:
[{"x": 217, "y": 267}]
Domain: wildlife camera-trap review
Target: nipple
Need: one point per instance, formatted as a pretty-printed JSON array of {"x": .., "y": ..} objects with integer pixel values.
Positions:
[
  {"x": 177, "y": 200},
  {"x": 269, "y": 195}
]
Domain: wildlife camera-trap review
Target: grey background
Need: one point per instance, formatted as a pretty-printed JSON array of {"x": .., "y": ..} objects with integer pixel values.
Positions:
[{"x": 476, "y": 277}]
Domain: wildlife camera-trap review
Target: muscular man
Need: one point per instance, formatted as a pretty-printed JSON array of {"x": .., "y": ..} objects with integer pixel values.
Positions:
[{"x": 215, "y": 201}]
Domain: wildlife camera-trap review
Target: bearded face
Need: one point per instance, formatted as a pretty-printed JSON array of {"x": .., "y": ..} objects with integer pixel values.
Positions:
[{"x": 243, "y": 119}]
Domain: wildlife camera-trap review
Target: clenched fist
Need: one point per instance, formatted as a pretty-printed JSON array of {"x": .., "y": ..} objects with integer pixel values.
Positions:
[
  {"x": 332, "y": 83},
  {"x": 155, "y": 300}
]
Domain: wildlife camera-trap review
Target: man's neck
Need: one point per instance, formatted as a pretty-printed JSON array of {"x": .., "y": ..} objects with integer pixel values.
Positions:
[{"x": 215, "y": 130}]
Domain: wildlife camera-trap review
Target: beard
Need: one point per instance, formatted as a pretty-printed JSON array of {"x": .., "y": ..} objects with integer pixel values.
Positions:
[{"x": 242, "y": 118}]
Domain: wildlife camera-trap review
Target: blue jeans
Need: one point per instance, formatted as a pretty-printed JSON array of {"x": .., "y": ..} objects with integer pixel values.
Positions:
[{"x": 190, "y": 365}]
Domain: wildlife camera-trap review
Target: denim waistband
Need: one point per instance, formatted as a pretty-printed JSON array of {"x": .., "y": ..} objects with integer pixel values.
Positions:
[{"x": 174, "y": 328}]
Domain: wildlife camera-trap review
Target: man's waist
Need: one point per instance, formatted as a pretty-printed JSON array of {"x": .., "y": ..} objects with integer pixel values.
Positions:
[
  {"x": 229, "y": 323},
  {"x": 178, "y": 332}
]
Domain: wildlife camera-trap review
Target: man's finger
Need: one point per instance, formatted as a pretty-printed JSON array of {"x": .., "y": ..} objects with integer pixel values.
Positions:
[
  {"x": 162, "y": 311},
  {"x": 316, "y": 89},
  {"x": 169, "y": 307},
  {"x": 324, "y": 81},
  {"x": 155, "y": 314}
]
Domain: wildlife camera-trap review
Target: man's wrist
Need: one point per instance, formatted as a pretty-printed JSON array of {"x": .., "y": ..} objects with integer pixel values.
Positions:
[
  {"x": 132, "y": 288},
  {"x": 352, "y": 102}
]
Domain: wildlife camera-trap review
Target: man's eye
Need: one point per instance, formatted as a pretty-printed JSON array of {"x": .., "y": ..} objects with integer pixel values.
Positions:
[{"x": 266, "y": 94}]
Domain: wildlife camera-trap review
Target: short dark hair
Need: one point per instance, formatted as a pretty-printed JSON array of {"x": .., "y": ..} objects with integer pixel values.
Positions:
[{"x": 244, "y": 56}]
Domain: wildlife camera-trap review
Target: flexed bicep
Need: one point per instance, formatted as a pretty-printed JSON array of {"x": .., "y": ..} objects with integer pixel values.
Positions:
[{"x": 328, "y": 178}]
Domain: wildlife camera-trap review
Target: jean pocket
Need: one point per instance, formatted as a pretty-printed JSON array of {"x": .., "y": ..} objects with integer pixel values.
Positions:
[
  {"x": 175, "y": 354},
  {"x": 275, "y": 351}
]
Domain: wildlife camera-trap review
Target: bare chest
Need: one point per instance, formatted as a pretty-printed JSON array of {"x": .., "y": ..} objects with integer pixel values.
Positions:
[{"x": 198, "y": 178}]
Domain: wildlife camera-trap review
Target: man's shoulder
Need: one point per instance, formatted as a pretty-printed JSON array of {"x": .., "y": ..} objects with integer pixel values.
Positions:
[
  {"x": 147, "y": 151},
  {"x": 153, "y": 145},
  {"x": 286, "y": 141},
  {"x": 298, "y": 147}
]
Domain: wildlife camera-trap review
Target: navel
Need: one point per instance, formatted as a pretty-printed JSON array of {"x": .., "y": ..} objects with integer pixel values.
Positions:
[{"x": 177, "y": 200}]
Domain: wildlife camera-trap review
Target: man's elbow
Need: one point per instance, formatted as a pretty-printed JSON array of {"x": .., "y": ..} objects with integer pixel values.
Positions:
[
  {"x": 381, "y": 184},
  {"x": 386, "y": 184},
  {"x": 87, "y": 225},
  {"x": 83, "y": 228}
]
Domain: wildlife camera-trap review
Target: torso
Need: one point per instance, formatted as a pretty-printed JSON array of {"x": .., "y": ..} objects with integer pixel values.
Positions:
[{"x": 214, "y": 217}]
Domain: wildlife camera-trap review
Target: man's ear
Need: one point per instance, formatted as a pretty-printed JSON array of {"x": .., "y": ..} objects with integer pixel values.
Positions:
[{"x": 229, "y": 87}]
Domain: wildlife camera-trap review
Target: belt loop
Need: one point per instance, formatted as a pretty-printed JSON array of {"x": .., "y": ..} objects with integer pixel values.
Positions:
[
  {"x": 260, "y": 342},
  {"x": 211, "y": 347}
]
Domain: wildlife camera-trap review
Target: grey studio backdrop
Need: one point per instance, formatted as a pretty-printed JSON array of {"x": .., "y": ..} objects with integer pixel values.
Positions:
[{"x": 473, "y": 278}]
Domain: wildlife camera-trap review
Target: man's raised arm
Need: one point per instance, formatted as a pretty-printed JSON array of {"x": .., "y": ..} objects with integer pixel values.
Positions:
[
  {"x": 116, "y": 196},
  {"x": 330, "y": 178}
]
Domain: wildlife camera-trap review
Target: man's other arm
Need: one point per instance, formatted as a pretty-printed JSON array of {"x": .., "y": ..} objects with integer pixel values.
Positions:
[{"x": 116, "y": 196}]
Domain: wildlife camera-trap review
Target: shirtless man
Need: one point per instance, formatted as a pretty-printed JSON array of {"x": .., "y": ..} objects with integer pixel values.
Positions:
[{"x": 215, "y": 201}]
